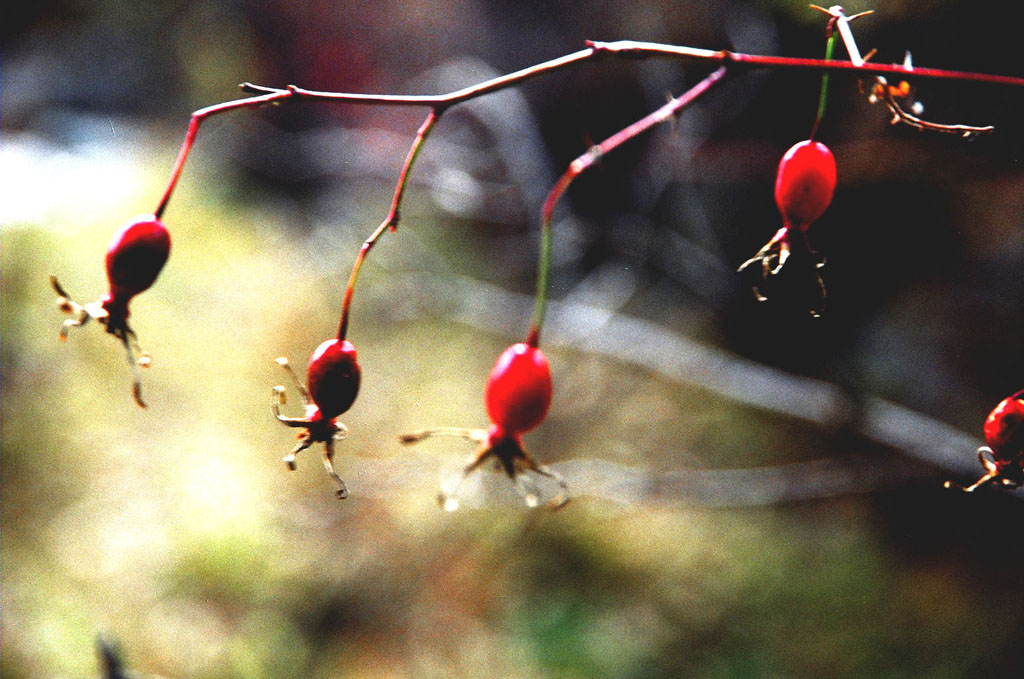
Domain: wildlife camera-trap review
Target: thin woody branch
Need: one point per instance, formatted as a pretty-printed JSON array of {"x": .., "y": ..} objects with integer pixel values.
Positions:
[
  {"x": 595, "y": 50},
  {"x": 391, "y": 220},
  {"x": 667, "y": 112}
]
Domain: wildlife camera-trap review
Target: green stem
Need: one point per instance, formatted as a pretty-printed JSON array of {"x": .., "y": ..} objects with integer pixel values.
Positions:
[{"x": 830, "y": 44}]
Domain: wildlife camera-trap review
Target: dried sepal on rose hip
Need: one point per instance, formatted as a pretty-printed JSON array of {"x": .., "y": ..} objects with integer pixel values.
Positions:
[
  {"x": 333, "y": 384},
  {"x": 1003, "y": 455},
  {"x": 134, "y": 259},
  {"x": 517, "y": 396},
  {"x": 804, "y": 186}
]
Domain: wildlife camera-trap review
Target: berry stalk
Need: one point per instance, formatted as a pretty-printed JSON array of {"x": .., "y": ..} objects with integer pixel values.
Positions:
[
  {"x": 830, "y": 43},
  {"x": 586, "y": 161},
  {"x": 391, "y": 221}
]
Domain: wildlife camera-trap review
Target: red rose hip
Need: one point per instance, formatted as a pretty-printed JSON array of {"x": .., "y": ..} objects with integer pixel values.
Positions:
[
  {"x": 333, "y": 378},
  {"x": 1003, "y": 455},
  {"x": 517, "y": 396},
  {"x": 136, "y": 255},
  {"x": 805, "y": 183},
  {"x": 134, "y": 259},
  {"x": 518, "y": 390}
]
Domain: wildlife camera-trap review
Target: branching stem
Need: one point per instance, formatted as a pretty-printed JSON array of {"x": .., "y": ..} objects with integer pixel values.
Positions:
[
  {"x": 586, "y": 161},
  {"x": 627, "y": 49}
]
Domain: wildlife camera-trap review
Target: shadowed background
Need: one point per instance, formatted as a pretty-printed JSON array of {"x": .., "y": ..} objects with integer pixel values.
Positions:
[{"x": 758, "y": 493}]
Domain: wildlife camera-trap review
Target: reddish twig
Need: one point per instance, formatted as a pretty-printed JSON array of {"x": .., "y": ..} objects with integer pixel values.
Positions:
[
  {"x": 586, "y": 161},
  {"x": 391, "y": 220},
  {"x": 193, "y": 129},
  {"x": 627, "y": 49}
]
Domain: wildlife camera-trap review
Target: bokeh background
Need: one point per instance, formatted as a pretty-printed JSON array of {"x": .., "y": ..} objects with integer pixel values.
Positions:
[{"x": 757, "y": 493}]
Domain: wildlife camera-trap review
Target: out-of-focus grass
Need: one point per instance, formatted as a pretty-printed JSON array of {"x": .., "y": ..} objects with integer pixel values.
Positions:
[{"x": 178, "y": 530}]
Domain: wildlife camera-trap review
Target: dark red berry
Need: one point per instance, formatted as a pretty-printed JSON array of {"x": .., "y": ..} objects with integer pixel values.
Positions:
[
  {"x": 136, "y": 255},
  {"x": 518, "y": 391},
  {"x": 333, "y": 377},
  {"x": 1003, "y": 456},
  {"x": 134, "y": 259},
  {"x": 805, "y": 183},
  {"x": 1004, "y": 433},
  {"x": 333, "y": 381}
]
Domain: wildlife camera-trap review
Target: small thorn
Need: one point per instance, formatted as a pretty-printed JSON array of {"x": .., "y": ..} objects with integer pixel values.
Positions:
[{"x": 859, "y": 15}]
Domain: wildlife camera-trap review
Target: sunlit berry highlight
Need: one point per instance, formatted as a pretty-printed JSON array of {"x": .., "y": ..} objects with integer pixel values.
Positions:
[
  {"x": 1002, "y": 456},
  {"x": 517, "y": 396},
  {"x": 804, "y": 187},
  {"x": 333, "y": 383},
  {"x": 134, "y": 259}
]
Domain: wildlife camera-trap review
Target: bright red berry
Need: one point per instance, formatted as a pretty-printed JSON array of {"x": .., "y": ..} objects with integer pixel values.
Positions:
[
  {"x": 517, "y": 396},
  {"x": 333, "y": 379},
  {"x": 805, "y": 183},
  {"x": 804, "y": 186},
  {"x": 134, "y": 259},
  {"x": 1003, "y": 456},
  {"x": 518, "y": 390}
]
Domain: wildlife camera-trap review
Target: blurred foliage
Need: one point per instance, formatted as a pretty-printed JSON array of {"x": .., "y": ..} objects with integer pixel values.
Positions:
[{"x": 177, "y": 530}]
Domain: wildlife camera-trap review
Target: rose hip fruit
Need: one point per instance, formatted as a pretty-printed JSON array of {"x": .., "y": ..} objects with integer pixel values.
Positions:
[
  {"x": 333, "y": 378},
  {"x": 517, "y": 396},
  {"x": 136, "y": 255},
  {"x": 134, "y": 259},
  {"x": 805, "y": 183},
  {"x": 804, "y": 186},
  {"x": 518, "y": 390},
  {"x": 1003, "y": 455}
]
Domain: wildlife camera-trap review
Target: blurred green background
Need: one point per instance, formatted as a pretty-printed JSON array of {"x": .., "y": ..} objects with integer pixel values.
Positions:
[{"x": 740, "y": 510}]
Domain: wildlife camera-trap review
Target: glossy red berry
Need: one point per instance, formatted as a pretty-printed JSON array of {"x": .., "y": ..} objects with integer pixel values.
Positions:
[
  {"x": 333, "y": 380},
  {"x": 517, "y": 396},
  {"x": 518, "y": 390},
  {"x": 805, "y": 183},
  {"x": 1003, "y": 456},
  {"x": 136, "y": 255},
  {"x": 333, "y": 377},
  {"x": 804, "y": 186}
]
